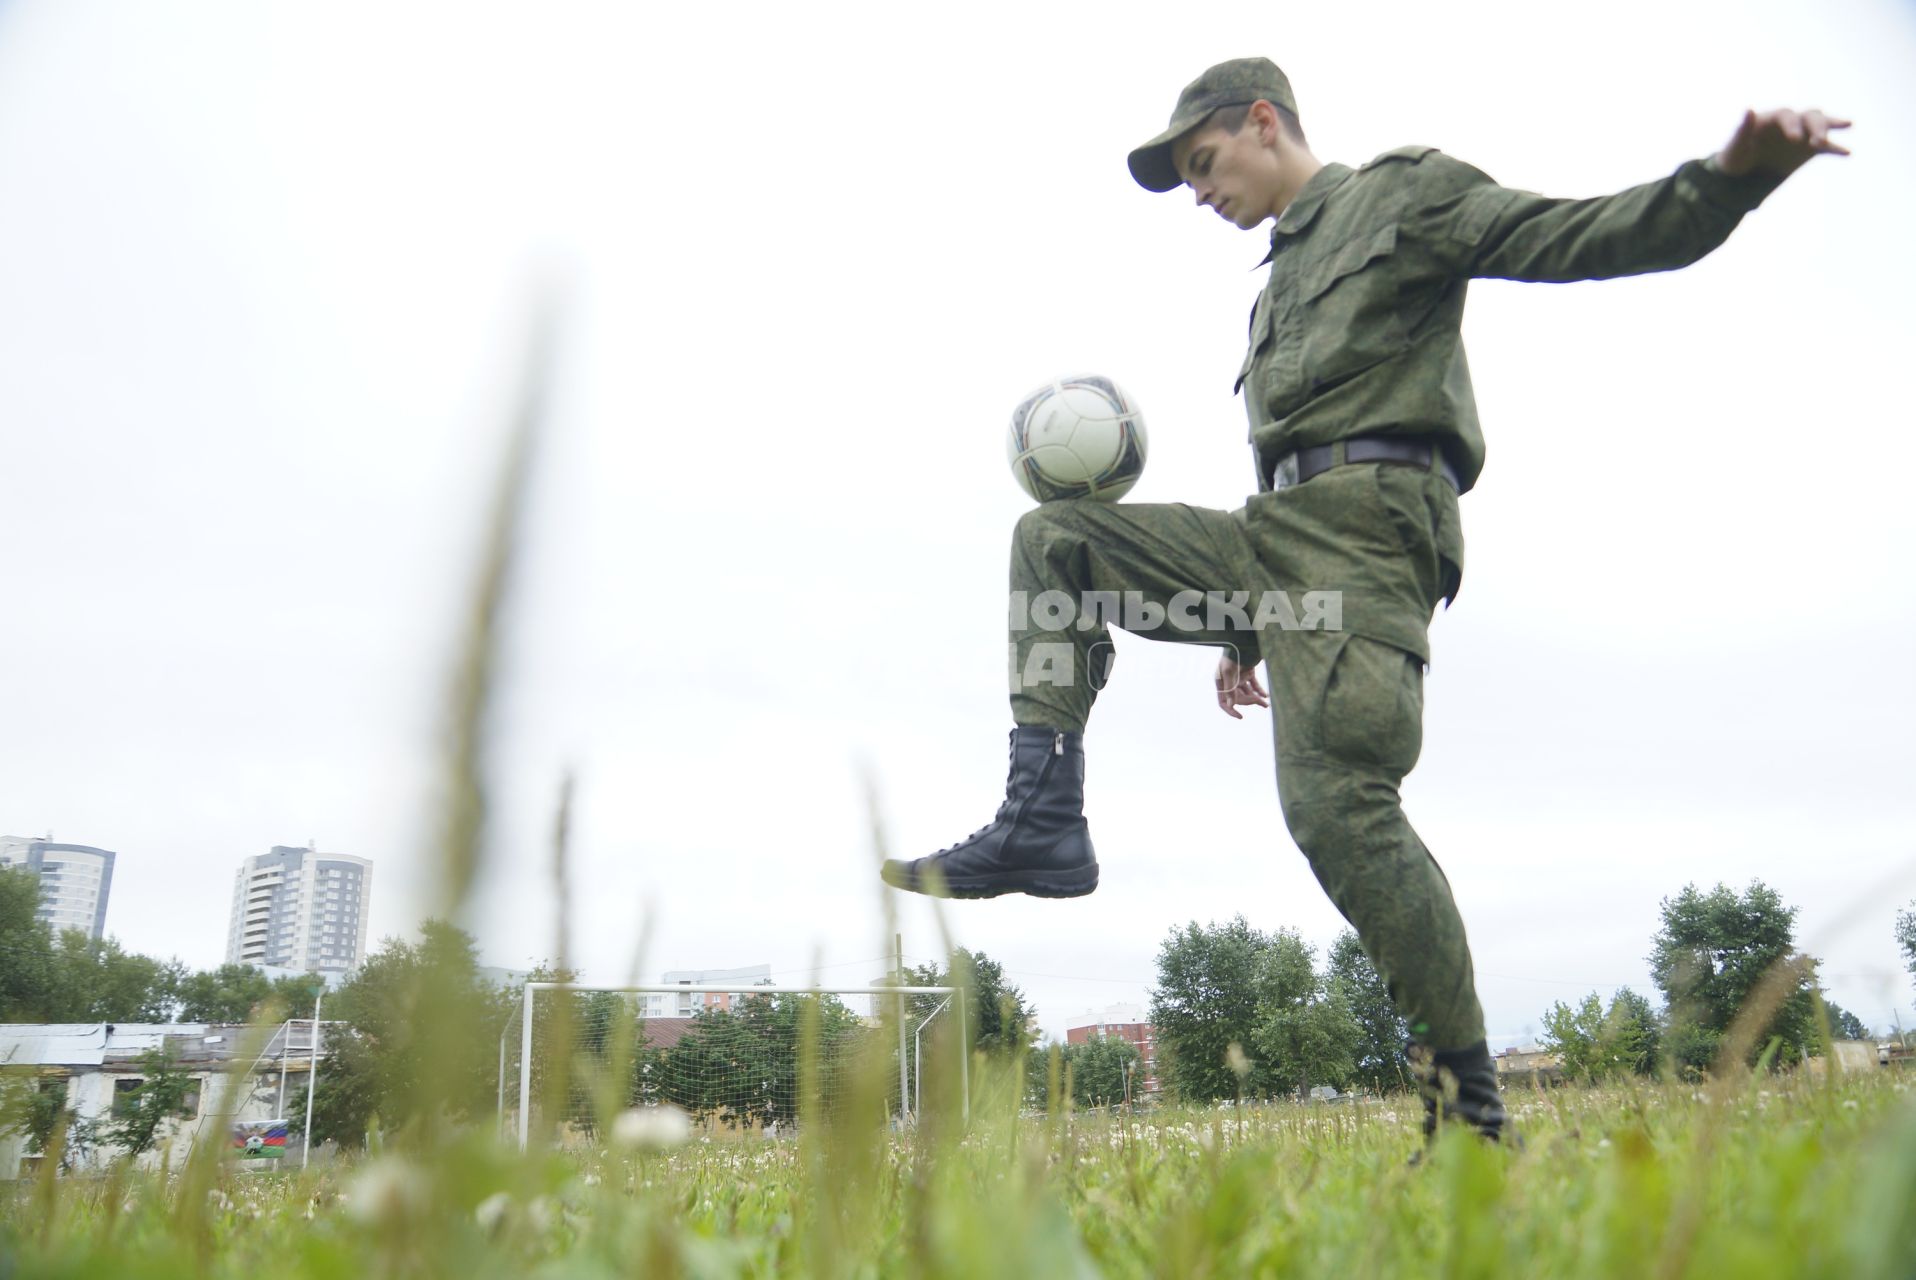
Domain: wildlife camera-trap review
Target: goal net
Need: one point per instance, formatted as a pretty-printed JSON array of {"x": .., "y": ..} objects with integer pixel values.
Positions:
[{"x": 741, "y": 1059}]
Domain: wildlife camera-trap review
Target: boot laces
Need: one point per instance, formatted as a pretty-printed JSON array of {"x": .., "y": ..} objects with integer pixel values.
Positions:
[{"x": 1010, "y": 775}]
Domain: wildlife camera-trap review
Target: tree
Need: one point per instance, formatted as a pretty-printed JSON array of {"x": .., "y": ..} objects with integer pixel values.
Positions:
[
  {"x": 30, "y": 1105},
  {"x": 1844, "y": 1025},
  {"x": 1305, "y": 1031},
  {"x": 1102, "y": 1070},
  {"x": 1037, "y": 1091},
  {"x": 96, "y": 980},
  {"x": 1000, "y": 1016},
  {"x": 1205, "y": 1000},
  {"x": 71, "y": 977},
  {"x": 1597, "y": 1044},
  {"x": 1379, "y": 1061},
  {"x": 160, "y": 1096},
  {"x": 744, "y": 1062},
  {"x": 230, "y": 993},
  {"x": 421, "y": 1038},
  {"x": 1906, "y": 936},
  {"x": 26, "y": 950},
  {"x": 295, "y": 994},
  {"x": 1709, "y": 957},
  {"x": 1634, "y": 1033},
  {"x": 35, "y": 1107},
  {"x": 1575, "y": 1036}
]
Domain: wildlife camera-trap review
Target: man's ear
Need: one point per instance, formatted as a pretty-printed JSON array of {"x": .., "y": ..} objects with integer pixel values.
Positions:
[{"x": 1264, "y": 116}]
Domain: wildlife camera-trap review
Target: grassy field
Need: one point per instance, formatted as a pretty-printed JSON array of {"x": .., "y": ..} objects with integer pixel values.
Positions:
[
  {"x": 1766, "y": 1177},
  {"x": 1754, "y": 1175}
]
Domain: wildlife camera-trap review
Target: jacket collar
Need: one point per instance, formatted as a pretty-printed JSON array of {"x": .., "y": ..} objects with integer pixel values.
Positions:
[{"x": 1302, "y": 211}]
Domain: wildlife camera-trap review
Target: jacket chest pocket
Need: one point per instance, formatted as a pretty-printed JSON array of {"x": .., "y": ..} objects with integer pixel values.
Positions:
[
  {"x": 1272, "y": 368},
  {"x": 1351, "y": 312}
]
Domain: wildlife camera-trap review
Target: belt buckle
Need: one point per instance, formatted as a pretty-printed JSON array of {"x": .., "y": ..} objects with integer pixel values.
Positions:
[{"x": 1284, "y": 474}]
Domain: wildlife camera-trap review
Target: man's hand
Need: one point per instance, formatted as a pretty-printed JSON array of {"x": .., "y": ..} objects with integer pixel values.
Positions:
[
  {"x": 1779, "y": 142},
  {"x": 1237, "y": 686}
]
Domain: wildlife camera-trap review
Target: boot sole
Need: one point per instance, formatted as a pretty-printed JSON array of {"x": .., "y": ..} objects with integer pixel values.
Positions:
[{"x": 1075, "y": 884}]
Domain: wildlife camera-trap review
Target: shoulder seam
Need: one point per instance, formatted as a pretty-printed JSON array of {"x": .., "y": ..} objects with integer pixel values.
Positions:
[{"x": 1410, "y": 154}]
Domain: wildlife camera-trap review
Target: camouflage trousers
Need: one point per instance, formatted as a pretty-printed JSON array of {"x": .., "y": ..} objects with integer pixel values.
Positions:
[{"x": 1333, "y": 589}]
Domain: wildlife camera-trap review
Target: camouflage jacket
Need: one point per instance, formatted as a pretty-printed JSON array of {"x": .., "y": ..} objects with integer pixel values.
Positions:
[{"x": 1357, "y": 331}]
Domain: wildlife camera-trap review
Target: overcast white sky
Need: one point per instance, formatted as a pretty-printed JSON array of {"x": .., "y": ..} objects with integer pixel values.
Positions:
[{"x": 263, "y": 271}]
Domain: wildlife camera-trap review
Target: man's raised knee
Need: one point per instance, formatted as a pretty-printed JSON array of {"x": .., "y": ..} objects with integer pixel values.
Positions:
[{"x": 1039, "y": 523}]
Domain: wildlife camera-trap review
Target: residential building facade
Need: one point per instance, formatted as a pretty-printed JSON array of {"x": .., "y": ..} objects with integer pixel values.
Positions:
[
  {"x": 75, "y": 880},
  {"x": 687, "y": 1004},
  {"x": 1126, "y": 1022},
  {"x": 300, "y": 909}
]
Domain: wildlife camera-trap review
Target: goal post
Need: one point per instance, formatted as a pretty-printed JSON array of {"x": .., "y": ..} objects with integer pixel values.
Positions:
[{"x": 721, "y": 1052}]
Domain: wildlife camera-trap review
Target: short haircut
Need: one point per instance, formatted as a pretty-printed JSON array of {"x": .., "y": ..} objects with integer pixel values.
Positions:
[{"x": 1231, "y": 119}]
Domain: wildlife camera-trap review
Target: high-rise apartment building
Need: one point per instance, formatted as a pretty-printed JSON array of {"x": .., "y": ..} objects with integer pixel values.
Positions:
[
  {"x": 74, "y": 880},
  {"x": 300, "y": 909}
]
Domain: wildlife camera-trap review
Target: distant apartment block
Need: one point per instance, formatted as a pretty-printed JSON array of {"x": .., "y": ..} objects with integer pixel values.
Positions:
[
  {"x": 74, "y": 880},
  {"x": 300, "y": 909},
  {"x": 1126, "y": 1022},
  {"x": 687, "y": 1004}
]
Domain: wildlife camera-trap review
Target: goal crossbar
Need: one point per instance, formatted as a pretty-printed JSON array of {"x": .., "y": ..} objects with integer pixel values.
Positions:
[{"x": 526, "y": 1002}]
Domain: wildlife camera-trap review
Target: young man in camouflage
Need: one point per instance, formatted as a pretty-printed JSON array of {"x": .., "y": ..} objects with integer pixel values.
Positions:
[{"x": 1364, "y": 433}]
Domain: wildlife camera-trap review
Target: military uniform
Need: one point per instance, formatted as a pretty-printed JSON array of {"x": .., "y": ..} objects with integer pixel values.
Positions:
[{"x": 1355, "y": 352}]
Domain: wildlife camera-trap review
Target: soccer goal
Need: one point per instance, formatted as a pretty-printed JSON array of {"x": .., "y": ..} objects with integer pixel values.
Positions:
[{"x": 739, "y": 1059}]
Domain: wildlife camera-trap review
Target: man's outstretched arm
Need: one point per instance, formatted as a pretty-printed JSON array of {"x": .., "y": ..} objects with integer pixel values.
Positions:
[{"x": 1478, "y": 228}]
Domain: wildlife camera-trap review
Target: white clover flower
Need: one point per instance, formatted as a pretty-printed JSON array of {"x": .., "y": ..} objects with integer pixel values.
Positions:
[
  {"x": 651, "y": 1128},
  {"x": 539, "y": 1213}
]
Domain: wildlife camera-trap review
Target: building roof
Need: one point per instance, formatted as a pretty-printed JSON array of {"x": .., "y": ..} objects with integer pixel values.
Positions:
[
  {"x": 47, "y": 1044},
  {"x": 1123, "y": 1014},
  {"x": 663, "y": 1033},
  {"x": 94, "y": 1044}
]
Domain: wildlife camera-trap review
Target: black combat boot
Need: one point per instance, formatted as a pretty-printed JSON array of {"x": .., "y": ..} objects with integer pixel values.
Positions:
[
  {"x": 1038, "y": 844},
  {"x": 1459, "y": 1086}
]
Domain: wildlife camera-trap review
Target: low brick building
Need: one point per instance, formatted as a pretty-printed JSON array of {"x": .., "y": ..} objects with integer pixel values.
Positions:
[{"x": 1126, "y": 1022}]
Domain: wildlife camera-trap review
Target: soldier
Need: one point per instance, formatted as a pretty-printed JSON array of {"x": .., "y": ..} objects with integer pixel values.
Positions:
[{"x": 1364, "y": 433}]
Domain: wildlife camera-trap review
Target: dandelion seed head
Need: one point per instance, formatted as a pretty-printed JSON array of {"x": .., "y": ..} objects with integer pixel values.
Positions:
[
  {"x": 384, "y": 1190},
  {"x": 492, "y": 1211},
  {"x": 651, "y": 1128}
]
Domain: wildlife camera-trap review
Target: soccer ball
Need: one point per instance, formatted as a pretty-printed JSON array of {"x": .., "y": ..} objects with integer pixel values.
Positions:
[{"x": 1077, "y": 437}]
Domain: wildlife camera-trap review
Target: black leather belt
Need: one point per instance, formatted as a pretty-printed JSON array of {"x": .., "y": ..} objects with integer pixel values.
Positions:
[{"x": 1410, "y": 451}]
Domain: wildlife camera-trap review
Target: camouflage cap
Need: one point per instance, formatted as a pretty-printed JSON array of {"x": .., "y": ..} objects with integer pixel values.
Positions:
[{"x": 1225, "y": 85}]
